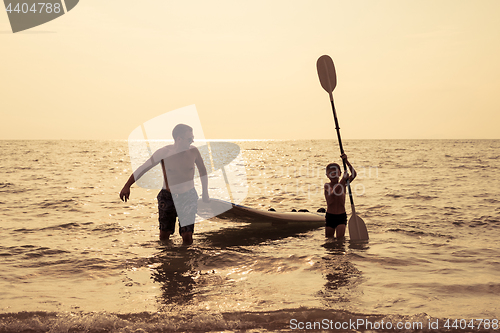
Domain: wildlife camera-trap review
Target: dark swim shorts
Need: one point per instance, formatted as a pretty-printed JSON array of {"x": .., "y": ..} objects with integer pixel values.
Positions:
[
  {"x": 334, "y": 220},
  {"x": 185, "y": 208}
]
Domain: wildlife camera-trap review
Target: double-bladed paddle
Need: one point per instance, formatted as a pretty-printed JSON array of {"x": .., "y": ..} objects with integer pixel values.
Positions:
[{"x": 328, "y": 80}]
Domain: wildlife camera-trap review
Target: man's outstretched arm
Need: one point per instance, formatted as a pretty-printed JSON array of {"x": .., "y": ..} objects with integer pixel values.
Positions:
[
  {"x": 125, "y": 192},
  {"x": 150, "y": 163}
]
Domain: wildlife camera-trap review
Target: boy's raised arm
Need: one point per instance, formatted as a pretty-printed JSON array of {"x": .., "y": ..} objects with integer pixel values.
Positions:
[{"x": 351, "y": 168}]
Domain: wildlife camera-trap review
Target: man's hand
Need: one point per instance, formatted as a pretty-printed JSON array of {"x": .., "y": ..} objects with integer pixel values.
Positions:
[
  {"x": 343, "y": 157},
  {"x": 205, "y": 197},
  {"x": 125, "y": 193}
]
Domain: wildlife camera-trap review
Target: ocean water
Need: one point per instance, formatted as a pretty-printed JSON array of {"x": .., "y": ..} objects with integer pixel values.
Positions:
[{"x": 74, "y": 258}]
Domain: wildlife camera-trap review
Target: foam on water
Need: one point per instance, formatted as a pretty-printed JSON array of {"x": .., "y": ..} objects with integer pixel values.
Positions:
[{"x": 281, "y": 320}]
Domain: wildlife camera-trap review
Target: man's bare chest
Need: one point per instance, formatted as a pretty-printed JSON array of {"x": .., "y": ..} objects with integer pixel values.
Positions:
[{"x": 180, "y": 162}]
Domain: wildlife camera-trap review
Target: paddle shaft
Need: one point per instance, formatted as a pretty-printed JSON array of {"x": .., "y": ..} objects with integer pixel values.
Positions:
[
  {"x": 328, "y": 79},
  {"x": 341, "y": 147}
]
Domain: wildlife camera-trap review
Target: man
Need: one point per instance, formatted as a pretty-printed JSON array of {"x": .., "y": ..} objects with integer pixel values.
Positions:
[{"x": 178, "y": 198}]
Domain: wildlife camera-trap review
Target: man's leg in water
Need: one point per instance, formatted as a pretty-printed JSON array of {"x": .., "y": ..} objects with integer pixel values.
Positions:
[
  {"x": 187, "y": 206},
  {"x": 166, "y": 214},
  {"x": 187, "y": 234},
  {"x": 164, "y": 235}
]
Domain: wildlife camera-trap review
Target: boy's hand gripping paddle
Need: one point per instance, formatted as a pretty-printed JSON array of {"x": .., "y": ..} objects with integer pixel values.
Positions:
[{"x": 328, "y": 80}]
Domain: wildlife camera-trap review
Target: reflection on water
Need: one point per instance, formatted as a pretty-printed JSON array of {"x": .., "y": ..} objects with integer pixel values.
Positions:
[
  {"x": 254, "y": 234},
  {"x": 221, "y": 257},
  {"x": 340, "y": 274},
  {"x": 335, "y": 246},
  {"x": 175, "y": 273},
  {"x": 224, "y": 267},
  {"x": 363, "y": 245}
]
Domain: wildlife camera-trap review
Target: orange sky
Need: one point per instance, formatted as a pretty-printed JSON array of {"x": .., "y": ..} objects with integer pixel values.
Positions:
[{"x": 406, "y": 69}]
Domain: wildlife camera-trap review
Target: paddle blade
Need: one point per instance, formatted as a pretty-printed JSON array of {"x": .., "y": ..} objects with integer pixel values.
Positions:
[
  {"x": 357, "y": 228},
  {"x": 326, "y": 73}
]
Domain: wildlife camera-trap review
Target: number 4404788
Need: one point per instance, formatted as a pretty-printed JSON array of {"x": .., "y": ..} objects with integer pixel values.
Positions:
[
  {"x": 471, "y": 324},
  {"x": 36, "y": 8}
]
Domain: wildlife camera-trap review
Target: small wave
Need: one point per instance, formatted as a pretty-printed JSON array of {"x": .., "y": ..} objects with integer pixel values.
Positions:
[
  {"x": 394, "y": 262},
  {"x": 53, "y": 227},
  {"x": 391, "y": 195},
  {"x": 419, "y": 196},
  {"x": 201, "y": 321},
  {"x": 30, "y": 251},
  {"x": 485, "y": 220},
  {"x": 59, "y": 267},
  {"x": 411, "y": 196},
  {"x": 43, "y": 252},
  {"x": 378, "y": 207},
  {"x": 62, "y": 226},
  {"x": 420, "y": 233},
  {"x": 65, "y": 203},
  {"x": 111, "y": 227},
  {"x": 486, "y": 289},
  {"x": 299, "y": 319},
  {"x": 11, "y": 188}
]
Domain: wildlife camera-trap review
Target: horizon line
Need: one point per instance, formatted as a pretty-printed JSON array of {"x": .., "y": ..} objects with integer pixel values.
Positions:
[{"x": 232, "y": 140}]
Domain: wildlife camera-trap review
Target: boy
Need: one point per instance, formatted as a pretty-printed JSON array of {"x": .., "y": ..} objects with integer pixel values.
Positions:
[
  {"x": 335, "y": 190},
  {"x": 178, "y": 162}
]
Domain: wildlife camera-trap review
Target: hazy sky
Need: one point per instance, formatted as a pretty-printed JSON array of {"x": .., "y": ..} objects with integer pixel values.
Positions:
[{"x": 406, "y": 69}]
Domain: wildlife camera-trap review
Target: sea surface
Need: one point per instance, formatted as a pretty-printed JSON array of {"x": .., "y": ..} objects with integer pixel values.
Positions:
[{"x": 74, "y": 258}]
